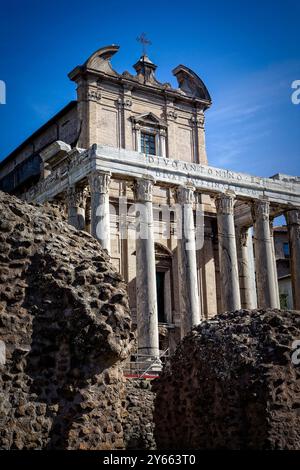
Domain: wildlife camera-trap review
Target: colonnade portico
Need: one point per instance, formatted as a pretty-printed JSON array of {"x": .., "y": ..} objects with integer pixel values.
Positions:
[{"x": 86, "y": 176}]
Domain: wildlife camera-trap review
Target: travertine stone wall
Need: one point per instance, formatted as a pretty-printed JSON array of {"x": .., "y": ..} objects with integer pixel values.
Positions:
[
  {"x": 64, "y": 331},
  {"x": 231, "y": 384}
]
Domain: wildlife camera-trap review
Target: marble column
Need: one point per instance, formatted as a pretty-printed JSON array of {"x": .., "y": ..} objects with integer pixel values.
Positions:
[
  {"x": 246, "y": 267},
  {"x": 100, "y": 220},
  {"x": 293, "y": 222},
  {"x": 264, "y": 263},
  {"x": 146, "y": 297},
  {"x": 229, "y": 274},
  {"x": 274, "y": 261},
  {"x": 88, "y": 215},
  {"x": 187, "y": 263},
  {"x": 76, "y": 200}
]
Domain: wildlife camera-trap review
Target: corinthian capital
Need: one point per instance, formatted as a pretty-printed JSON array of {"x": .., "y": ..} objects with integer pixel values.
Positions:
[
  {"x": 225, "y": 203},
  {"x": 77, "y": 196},
  {"x": 143, "y": 189},
  {"x": 293, "y": 217},
  {"x": 261, "y": 209},
  {"x": 99, "y": 182},
  {"x": 185, "y": 194}
]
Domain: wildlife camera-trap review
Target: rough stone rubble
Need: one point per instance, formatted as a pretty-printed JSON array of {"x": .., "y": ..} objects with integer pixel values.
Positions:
[
  {"x": 232, "y": 384},
  {"x": 65, "y": 330}
]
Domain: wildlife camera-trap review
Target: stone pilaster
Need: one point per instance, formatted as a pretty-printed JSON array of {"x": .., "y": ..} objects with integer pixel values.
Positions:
[
  {"x": 201, "y": 146},
  {"x": 147, "y": 317},
  {"x": 100, "y": 220},
  {"x": 293, "y": 222},
  {"x": 76, "y": 201},
  {"x": 229, "y": 275},
  {"x": 171, "y": 118},
  {"x": 264, "y": 256},
  {"x": 246, "y": 267},
  {"x": 127, "y": 125},
  {"x": 187, "y": 263}
]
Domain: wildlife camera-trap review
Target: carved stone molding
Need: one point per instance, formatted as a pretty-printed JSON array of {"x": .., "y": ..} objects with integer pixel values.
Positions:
[
  {"x": 225, "y": 203},
  {"x": 197, "y": 120},
  {"x": 136, "y": 127},
  {"x": 99, "y": 182},
  {"x": 143, "y": 189},
  {"x": 125, "y": 103},
  {"x": 93, "y": 95},
  {"x": 162, "y": 132},
  {"x": 261, "y": 209},
  {"x": 77, "y": 196},
  {"x": 171, "y": 114},
  {"x": 185, "y": 194}
]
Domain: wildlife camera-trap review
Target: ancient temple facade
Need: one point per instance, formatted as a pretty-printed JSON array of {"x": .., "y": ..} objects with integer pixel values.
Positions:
[{"x": 127, "y": 162}]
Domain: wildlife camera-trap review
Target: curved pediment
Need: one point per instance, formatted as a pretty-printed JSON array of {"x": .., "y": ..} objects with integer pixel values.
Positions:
[
  {"x": 100, "y": 60},
  {"x": 190, "y": 83},
  {"x": 162, "y": 251},
  {"x": 149, "y": 119}
]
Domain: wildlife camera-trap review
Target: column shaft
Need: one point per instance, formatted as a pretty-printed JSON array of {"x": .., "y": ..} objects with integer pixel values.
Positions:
[
  {"x": 229, "y": 275},
  {"x": 246, "y": 268},
  {"x": 100, "y": 220},
  {"x": 293, "y": 221},
  {"x": 190, "y": 302},
  {"x": 147, "y": 317},
  {"x": 264, "y": 256}
]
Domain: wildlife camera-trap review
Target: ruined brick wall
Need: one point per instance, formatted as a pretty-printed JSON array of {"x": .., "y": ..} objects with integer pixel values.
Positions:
[
  {"x": 64, "y": 331},
  {"x": 138, "y": 420},
  {"x": 232, "y": 384}
]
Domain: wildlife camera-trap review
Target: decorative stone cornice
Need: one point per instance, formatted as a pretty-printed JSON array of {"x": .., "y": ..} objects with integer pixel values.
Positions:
[
  {"x": 143, "y": 189},
  {"x": 185, "y": 194},
  {"x": 99, "y": 182},
  {"x": 225, "y": 203}
]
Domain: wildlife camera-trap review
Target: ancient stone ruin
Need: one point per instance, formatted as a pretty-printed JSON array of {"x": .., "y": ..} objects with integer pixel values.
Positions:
[
  {"x": 232, "y": 384},
  {"x": 65, "y": 333},
  {"x": 64, "y": 330}
]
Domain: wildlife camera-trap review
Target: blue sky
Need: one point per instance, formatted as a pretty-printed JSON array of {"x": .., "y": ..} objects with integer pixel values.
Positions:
[{"x": 246, "y": 52}]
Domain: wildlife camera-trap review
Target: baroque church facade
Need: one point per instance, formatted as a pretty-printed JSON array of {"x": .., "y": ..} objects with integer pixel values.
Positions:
[{"x": 129, "y": 139}]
